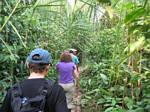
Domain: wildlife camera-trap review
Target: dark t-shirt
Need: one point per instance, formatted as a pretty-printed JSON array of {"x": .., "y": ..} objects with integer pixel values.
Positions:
[{"x": 55, "y": 102}]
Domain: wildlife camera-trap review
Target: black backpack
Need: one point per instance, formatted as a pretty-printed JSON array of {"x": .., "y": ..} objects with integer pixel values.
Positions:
[{"x": 20, "y": 103}]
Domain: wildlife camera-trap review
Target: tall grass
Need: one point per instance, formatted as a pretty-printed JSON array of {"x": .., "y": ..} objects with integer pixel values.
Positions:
[{"x": 113, "y": 50}]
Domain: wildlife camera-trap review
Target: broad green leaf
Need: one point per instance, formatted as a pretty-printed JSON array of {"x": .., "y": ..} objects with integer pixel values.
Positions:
[
  {"x": 140, "y": 110},
  {"x": 147, "y": 107},
  {"x": 3, "y": 58},
  {"x": 103, "y": 76},
  {"x": 136, "y": 45},
  {"x": 134, "y": 15},
  {"x": 129, "y": 5},
  {"x": 101, "y": 101},
  {"x": 128, "y": 102},
  {"x": 109, "y": 109},
  {"x": 113, "y": 102}
]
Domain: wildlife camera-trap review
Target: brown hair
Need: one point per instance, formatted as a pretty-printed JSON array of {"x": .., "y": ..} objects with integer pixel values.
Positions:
[
  {"x": 37, "y": 68},
  {"x": 65, "y": 57}
]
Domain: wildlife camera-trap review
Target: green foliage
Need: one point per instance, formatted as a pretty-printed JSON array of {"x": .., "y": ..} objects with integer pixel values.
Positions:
[
  {"x": 135, "y": 15},
  {"x": 114, "y": 51}
]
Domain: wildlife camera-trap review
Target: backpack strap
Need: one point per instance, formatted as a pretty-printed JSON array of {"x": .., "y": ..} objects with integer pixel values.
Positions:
[
  {"x": 50, "y": 84},
  {"x": 46, "y": 91},
  {"x": 16, "y": 94}
]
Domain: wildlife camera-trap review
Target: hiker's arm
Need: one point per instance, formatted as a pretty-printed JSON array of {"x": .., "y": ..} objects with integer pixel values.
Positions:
[
  {"x": 77, "y": 64},
  {"x": 57, "y": 100},
  {"x": 61, "y": 104},
  {"x": 76, "y": 73},
  {"x": 77, "y": 78},
  {"x": 57, "y": 67},
  {"x": 6, "y": 105}
]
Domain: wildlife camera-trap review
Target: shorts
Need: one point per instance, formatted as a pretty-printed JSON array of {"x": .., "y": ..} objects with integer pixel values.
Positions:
[{"x": 70, "y": 93}]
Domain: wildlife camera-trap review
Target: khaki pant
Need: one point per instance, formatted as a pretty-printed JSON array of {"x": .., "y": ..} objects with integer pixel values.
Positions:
[{"x": 69, "y": 91}]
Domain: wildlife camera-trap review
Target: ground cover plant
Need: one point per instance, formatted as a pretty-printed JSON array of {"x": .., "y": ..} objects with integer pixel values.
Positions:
[{"x": 112, "y": 37}]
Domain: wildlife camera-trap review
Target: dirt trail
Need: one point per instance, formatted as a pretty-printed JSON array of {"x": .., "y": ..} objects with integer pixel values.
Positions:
[
  {"x": 78, "y": 93},
  {"x": 77, "y": 100}
]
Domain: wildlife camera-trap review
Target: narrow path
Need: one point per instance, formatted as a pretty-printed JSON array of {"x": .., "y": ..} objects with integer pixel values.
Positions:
[
  {"x": 78, "y": 93},
  {"x": 78, "y": 99}
]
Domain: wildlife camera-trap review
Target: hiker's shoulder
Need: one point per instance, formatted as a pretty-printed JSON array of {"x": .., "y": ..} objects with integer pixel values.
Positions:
[
  {"x": 15, "y": 85},
  {"x": 74, "y": 57},
  {"x": 53, "y": 83},
  {"x": 11, "y": 89},
  {"x": 55, "y": 86}
]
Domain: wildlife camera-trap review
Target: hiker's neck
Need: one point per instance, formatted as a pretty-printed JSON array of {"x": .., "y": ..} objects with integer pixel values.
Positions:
[{"x": 34, "y": 75}]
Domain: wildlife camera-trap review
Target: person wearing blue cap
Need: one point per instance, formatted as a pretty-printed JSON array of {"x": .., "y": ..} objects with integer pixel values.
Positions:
[{"x": 36, "y": 94}]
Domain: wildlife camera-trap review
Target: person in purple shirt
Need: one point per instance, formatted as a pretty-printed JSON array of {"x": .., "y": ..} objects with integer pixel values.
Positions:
[{"x": 67, "y": 74}]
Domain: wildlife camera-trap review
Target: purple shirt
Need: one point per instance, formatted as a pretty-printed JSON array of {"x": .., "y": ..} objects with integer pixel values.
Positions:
[{"x": 65, "y": 70}]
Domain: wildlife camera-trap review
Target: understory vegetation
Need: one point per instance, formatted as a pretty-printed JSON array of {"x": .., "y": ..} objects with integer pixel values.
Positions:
[{"x": 111, "y": 36}]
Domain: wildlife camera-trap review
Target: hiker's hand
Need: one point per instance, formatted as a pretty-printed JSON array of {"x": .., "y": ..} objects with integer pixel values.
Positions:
[{"x": 76, "y": 73}]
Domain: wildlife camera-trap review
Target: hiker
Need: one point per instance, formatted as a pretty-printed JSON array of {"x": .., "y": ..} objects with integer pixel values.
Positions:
[
  {"x": 67, "y": 74},
  {"x": 36, "y": 94},
  {"x": 75, "y": 59}
]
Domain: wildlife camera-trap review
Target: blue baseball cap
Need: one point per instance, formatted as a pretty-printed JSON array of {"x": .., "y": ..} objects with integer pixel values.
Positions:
[{"x": 39, "y": 55}]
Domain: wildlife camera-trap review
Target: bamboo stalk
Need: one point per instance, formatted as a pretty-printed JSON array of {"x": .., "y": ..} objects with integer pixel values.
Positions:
[
  {"x": 10, "y": 16},
  {"x": 140, "y": 67},
  {"x": 18, "y": 34},
  {"x": 132, "y": 90},
  {"x": 7, "y": 47}
]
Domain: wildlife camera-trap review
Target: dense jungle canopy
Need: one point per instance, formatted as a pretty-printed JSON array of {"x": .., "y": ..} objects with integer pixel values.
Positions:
[{"x": 112, "y": 38}]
